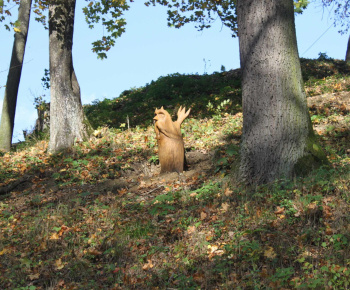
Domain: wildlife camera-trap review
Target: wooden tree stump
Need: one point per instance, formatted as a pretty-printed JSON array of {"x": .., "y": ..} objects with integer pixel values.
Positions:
[{"x": 171, "y": 149}]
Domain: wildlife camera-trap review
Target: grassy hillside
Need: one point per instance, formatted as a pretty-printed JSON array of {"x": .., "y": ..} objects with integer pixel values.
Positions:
[
  {"x": 101, "y": 216},
  {"x": 169, "y": 91},
  {"x": 206, "y": 94}
]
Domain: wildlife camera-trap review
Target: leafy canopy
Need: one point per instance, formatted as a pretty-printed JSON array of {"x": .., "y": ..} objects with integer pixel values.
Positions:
[
  {"x": 107, "y": 12},
  {"x": 341, "y": 13},
  {"x": 205, "y": 13},
  {"x": 5, "y": 13},
  {"x": 201, "y": 12},
  {"x": 110, "y": 13}
]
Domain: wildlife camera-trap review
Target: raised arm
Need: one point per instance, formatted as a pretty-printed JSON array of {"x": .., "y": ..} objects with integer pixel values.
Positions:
[{"x": 182, "y": 115}]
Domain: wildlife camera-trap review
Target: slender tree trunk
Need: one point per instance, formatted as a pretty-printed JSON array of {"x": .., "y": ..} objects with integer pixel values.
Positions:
[
  {"x": 67, "y": 121},
  {"x": 278, "y": 138},
  {"x": 14, "y": 76},
  {"x": 347, "y": 56}
]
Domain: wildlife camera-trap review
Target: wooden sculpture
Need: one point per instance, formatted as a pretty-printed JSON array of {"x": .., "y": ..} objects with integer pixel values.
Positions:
[{"x": 171, "y": 151}]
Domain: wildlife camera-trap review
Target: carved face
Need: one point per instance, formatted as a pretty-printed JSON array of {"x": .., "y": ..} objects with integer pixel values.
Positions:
[
  {"x": 159, "y": 116},
  {"x": 163, "y": 120}
]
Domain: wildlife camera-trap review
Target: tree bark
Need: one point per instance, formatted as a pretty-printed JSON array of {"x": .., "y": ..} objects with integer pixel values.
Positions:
[
  {"x": 278, "y": 139},
  {"x": 67, "y": 120},
  {"x": 14, "y": 76},
  {"x": 347, "y": 56}
]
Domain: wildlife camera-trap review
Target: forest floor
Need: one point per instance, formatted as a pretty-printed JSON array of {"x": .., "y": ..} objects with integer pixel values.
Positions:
[{"x": 102, "y": 217}]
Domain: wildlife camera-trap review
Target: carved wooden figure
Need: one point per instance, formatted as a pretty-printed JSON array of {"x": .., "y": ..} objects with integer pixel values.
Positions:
[{"x": 171, "y": 149}]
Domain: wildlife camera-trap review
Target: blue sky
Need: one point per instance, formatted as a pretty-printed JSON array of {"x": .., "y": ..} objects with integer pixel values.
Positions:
[{"x": 147, "y": 50}]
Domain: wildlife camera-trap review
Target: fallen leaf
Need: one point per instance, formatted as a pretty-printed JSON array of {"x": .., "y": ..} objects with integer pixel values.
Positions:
[
  {"x": 191, "y": 229},
  {"x": 118, "y": 269},
  {"x": 92, "y": 238},
  {"x": 270, "y": 253},
  {"x": 246, "y": 208},
  {"x": 54, "y": 236},
  {"x": 203, "y": 215},
  {"x": 228, "y": 192},
  {"x": 212, "y": 248},
  {"x": 148, "y": 265},
  {"x": 299, "y": 211},
  {"x": 258, "y": 212},
  {"x": 306, "y": 254},
  {"x": 94, "y": 252},
  {"x": 122, "y": 191},
  {"x": 59, "y": 265},
  {"x": 43, "y": 246},
  {"x": 209, "y": 237},
  {"x": 225, "y": 206},
  {"x": 62, "y": 230},
  {"x": 199, "y": 277},
  {"x": 327, "y": 212},
  {"x": 60, "y": 283},
  {"x": 34, "y": 276},
  {"x": 3, "y": 251},
  {"x": 279, "y": 210},
  {"x": 312, "y": 207}
]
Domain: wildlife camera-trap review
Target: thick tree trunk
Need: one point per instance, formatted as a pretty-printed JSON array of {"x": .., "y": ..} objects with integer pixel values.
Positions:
[
  {"x": 278, "y": 138},
  {"x": 14, "y": 76},
  {"x": 67, "y": 121},
  {"x": 347, "y": 56}
]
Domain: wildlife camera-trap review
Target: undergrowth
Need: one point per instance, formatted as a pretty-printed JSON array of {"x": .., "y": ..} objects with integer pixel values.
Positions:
[{"x": 100, "y": 217}]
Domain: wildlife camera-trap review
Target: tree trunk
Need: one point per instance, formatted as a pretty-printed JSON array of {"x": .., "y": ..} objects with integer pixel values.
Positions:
[
  {"x": 278, "y": 139},
  {"x": 347, "y": 56},
  {"x": 67, "y": 121},
  {"x": 14, "y": 76}
]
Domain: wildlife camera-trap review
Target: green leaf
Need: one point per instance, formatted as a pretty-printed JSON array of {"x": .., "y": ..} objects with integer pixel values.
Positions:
[{"x": 56, "y": 229}]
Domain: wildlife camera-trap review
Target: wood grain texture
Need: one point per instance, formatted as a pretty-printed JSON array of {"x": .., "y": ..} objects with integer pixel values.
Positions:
[{"x": 171, "y": 151}]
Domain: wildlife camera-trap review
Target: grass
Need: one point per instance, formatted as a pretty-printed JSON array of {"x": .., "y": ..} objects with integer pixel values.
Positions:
[{"x": 100, "y": 217}]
